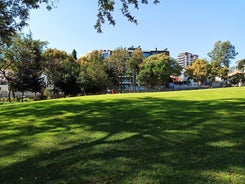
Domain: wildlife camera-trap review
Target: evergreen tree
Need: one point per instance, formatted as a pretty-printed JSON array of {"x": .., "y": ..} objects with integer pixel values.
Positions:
[{"x": 222, "y": 53}]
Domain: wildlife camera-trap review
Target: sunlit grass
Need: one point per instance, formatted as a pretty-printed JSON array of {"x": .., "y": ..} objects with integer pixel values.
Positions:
[{"x": 168, "y": 137}]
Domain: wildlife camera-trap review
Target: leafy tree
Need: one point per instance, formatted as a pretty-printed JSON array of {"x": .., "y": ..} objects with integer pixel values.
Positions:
[
  {"x": 156, "y": 70},
  {"x": 67, "y": 79},
  {"x": 241, "y": 65},
  {"x": 117, "y": 64},
  {"x": 133, "y": 65},
  {"x": 197, "y": 70},
  {"x": 24, "y": 54},
  {"x": 223, "y": 73},
  {"x": 52, "y": 63},
  {"x": 95, "y": 57},
  {"x": 223, "y": 52},
  {"x": 74, "y": 54},
  {"x": 93, "y": 77},
  {"x": 213, "y": 70},
  {"x": 62, "y": 71}
]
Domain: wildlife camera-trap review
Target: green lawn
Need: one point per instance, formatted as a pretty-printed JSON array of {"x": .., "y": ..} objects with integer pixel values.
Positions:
[{"x": 169, "y": 137}]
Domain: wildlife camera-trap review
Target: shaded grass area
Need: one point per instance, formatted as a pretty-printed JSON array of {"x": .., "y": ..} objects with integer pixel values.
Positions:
[{"x": 171, "y": 137}]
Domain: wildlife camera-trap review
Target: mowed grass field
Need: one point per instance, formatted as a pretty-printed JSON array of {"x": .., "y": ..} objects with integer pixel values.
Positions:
[{"x": 167, "y": 137}]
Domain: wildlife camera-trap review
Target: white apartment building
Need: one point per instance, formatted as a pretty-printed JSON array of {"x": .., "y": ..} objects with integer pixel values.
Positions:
[{"x": 184, "y": 59}]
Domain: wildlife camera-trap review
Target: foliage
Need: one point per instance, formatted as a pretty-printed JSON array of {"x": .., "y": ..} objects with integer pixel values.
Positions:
[
  {"x": 24, "y": 54},
  {"x": 4, "y": 63},
  {"x": 168, "y": 137},
  {"x": 156, "y": 70},
  {"x": 93, "y": 77},
  {"x": 62, "y": 71},
  {"x": 67, "y": 79},
  {"x": 106, "y": 8},
  {"x": 14, "y": 15},
  {"x": 74, "y": 54},
  {"x": 213, "y": 70},
  {"x": 223, "y": 52},
  {"x": 197, "y": 70},
  {"x": 52, "y": 64},
  {"x": 117, "y": 64},
  {"x": 237, "y": 78},
  {"x": 133, "y": 65},
  {"x": 223, "y": 72},
  {"x": 241, "y": 64}
]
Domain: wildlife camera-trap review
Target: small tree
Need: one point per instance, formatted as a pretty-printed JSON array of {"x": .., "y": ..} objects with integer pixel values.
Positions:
[
  {"x": 197, "y": 70},
  {"x": 213, "y": 70},
  {"x": 117, "y": 64},
  {"x": 156, "y": 70},
  {"x": 133, "y": 65},
  {"x": 93, "y": 77},
  {"x": 62, "y": 71},
  {"x": 24, "y": 54},
  {"x": 74, "y": 54}
]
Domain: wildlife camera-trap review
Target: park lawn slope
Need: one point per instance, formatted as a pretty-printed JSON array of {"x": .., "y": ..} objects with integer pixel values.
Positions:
[{"x": 194, "y": 136}]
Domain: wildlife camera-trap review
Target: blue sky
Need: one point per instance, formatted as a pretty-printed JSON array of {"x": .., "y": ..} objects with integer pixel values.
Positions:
[{"x": 179, "y": 25}]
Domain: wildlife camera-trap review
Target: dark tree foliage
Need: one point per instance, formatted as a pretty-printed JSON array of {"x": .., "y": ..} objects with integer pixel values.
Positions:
[
  {"x": 93, "y": 77},
  {"x": 24, "y": 54},
  {"x": 15, "y": 13},
  {"x": 67, "y": 78},
  {"x": 74, "y": 54},
  {"x": 62, "y": 71},
  {"x": 106, "y": 8},
  {"x": 241, "y": 64}
]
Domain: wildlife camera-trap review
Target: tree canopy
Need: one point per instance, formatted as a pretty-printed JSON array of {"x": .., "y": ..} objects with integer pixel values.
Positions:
[
  {"x": 24, "y": 54},
  {"x": 14, "y": 15},
  {"x": 223, "y": 52},
  {"x": 62, "y": 71},
  {"x": 197, "y": 70},
  {"x": 117, "y": 64},
  {"x": 93, "y": 77},
  {"x": 241, "y": 64},
  {"x": 156, "y": 70}
]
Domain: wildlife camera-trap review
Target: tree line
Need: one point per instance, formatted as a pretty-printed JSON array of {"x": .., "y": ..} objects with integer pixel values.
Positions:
[
  {"x": 202, "y": 70},
  {"x": 33, "y": 68},
  {"x": 28, "y": 64}
]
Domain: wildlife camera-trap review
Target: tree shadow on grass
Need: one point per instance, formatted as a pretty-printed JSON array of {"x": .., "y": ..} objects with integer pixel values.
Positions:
[{"x": 146, "y": 140}]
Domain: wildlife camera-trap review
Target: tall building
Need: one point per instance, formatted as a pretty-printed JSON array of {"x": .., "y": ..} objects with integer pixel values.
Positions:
[{"x": 185, "y": 59}]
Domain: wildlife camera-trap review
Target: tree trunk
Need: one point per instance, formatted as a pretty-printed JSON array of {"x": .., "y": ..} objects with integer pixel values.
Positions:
[
  {"x": 22, "y": 99},
  {"x": 9, "y": 96}
]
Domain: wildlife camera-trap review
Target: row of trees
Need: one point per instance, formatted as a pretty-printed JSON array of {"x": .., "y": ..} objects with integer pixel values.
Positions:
[
  {"x": 34, "y": 68},
  {"x": 28, "y": 63},
  {"x": 201, "y": 70}
]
